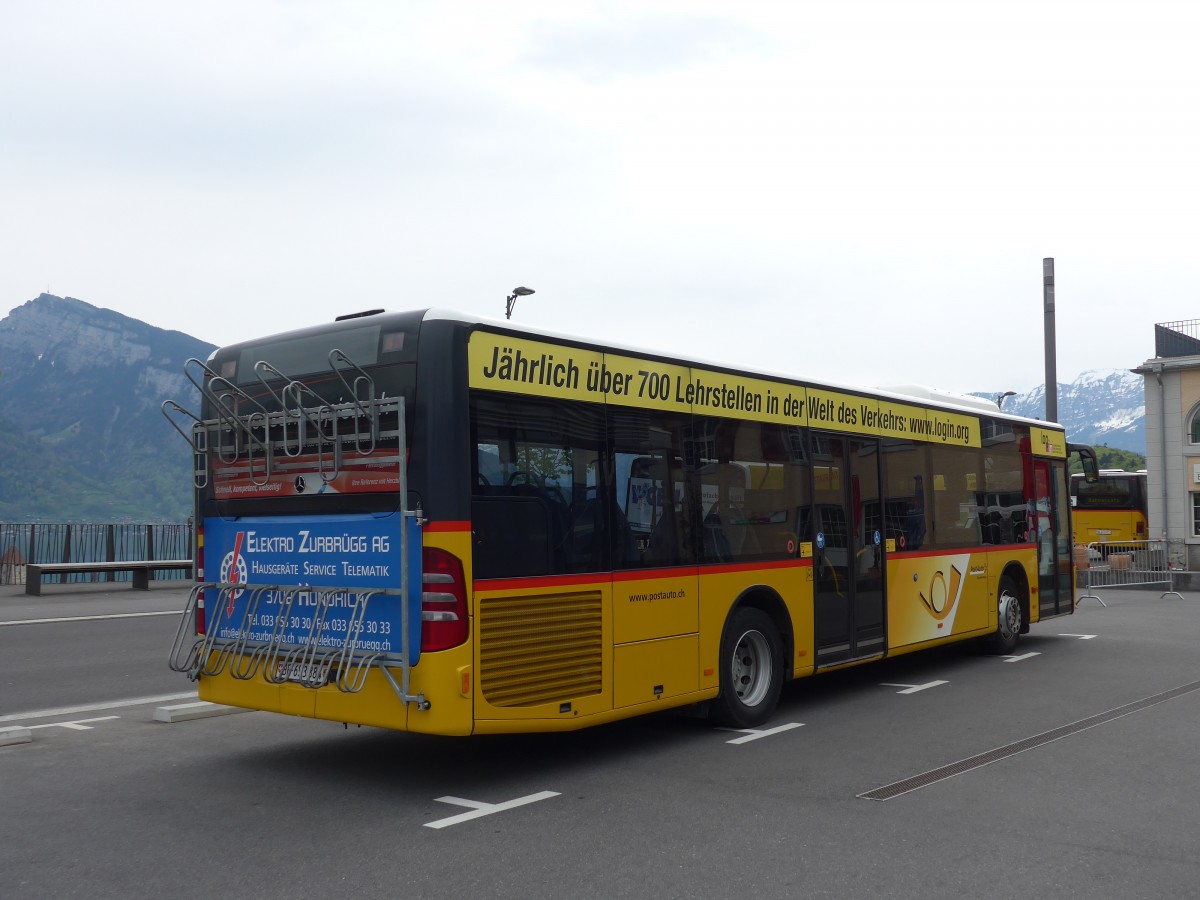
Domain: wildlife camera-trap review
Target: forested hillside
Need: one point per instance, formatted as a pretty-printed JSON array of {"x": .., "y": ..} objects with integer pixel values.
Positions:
[{"x": 81, "y": 434}]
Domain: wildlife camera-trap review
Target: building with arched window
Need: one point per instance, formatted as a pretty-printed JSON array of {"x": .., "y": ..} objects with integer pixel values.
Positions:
[{"x": 1172, "y": 382}]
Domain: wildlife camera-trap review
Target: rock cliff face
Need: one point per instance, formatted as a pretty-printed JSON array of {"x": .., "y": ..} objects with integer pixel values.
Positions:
[{"x": 81, "y": 434}]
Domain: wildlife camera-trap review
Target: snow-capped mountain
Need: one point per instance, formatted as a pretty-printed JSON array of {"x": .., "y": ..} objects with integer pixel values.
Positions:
[{"x": 1100, "y": 407}]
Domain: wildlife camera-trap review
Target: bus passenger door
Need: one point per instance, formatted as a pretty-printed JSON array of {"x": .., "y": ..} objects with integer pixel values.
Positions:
[
  {"x": 1053, "y": 540},
  {"x": 848, "y": 559}
]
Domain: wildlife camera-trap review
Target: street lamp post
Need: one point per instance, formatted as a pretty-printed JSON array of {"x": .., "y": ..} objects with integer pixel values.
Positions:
[
  {"x": 512, "y": 299},
  {"x": 1048, "y": 329},
  {"x": 1000, "y": 400}
]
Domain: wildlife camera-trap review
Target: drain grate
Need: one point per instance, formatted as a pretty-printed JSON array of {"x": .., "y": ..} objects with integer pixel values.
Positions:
[{"x": 916, "y": 782}]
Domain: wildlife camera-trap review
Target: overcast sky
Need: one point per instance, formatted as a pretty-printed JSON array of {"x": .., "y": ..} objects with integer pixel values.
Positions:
[{"x": 861, "y": 191}]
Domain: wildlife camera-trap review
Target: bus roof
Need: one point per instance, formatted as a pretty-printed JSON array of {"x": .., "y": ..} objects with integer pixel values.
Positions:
[{"x": 927, "y": 396}]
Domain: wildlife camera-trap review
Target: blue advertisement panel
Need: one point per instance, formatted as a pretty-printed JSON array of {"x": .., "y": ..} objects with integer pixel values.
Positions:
[{"x": 320, "y": 574}]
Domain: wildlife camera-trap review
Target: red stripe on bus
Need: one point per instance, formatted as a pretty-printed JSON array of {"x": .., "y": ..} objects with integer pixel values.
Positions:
[
  {"x": 447, "y": 526},
  {"x": 552, "y": 581},
  {"x": 544, "y": 581}
]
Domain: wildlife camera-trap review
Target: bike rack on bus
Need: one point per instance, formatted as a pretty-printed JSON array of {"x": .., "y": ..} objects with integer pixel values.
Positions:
[
  {"x": 247, "y": 652},
  {"x": 324, "y": 655},
  {"x": 198, "y": 439},
  {"x": 227, "y": 406},
  {"x": 368, "y": 412},
  {"x": 261, "y": 367},
  {"x": 240, "y": 431},
  {"x": 292, "y": 408},
  {"x": 319, "y": 417}
]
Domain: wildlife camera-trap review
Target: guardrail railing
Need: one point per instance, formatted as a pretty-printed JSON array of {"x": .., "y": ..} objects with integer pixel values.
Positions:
[
  {"x": 25, "y": 543},
  {"x": 1124, "y": 564}
]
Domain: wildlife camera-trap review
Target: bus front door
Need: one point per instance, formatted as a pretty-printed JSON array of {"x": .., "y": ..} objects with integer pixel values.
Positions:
[
  {"x": 848, "y": 560},
  {"x": 1053, "y": 539}
]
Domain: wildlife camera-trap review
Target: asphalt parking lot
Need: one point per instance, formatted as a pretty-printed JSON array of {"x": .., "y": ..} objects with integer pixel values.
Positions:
[{"x": 1066, "y": 769}]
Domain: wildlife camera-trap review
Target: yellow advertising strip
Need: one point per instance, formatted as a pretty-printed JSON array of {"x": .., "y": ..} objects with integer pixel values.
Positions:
[
  {"x": 502, "y": 363},
  {"x": 886, "y": 418},
  {"x": 625, "y": 381},
  {"x": 1044, "y": 442},
  {"x": 515, "y": 365}
]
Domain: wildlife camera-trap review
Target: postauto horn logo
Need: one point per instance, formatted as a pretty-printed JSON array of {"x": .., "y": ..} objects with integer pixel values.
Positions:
[{"x": 234, "y": 570}]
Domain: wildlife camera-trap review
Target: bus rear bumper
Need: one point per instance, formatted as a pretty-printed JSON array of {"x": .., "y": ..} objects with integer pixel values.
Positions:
[{"x": 376, "y": 705}]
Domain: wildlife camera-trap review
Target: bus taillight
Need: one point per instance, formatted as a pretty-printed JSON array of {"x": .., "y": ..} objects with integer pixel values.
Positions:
[
  {"x": 199, "y": 567},
  {"x": 443, "y": 601}
]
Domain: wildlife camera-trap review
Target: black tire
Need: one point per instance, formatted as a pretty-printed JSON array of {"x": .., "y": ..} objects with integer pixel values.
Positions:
[
  {"x": 751, "y": 670},
  {"x": 1011, "y": 618}
]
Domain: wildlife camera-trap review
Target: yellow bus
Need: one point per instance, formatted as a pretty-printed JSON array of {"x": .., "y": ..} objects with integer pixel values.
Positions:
[
  {"x": 1113, "y": 508},
  {"x": 430, "y": 522}
]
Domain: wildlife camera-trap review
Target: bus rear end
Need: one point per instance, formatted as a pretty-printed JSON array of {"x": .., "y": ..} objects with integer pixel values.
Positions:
[{"x": 320, "y": 593}]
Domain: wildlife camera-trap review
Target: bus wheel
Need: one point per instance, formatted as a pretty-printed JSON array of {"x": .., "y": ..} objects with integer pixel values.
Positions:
[
  {"x": 751, "y": 670},
  {"x": 1011, "y": 618}
]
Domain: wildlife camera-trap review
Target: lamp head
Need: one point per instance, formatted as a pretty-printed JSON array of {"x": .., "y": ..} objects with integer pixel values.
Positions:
[{"x": 512, "y": 299}]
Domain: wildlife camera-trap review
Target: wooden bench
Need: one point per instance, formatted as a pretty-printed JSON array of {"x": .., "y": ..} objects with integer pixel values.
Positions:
[{"x": 141, "y": 570}]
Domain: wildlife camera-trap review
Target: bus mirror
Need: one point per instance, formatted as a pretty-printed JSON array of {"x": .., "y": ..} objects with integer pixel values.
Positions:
[{"x": 1087, "y": 461}]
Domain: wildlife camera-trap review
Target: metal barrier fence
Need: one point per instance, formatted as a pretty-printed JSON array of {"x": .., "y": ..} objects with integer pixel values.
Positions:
[
  {"x": 1125, "y": 564},
  {"x": 30, "y": 543}
]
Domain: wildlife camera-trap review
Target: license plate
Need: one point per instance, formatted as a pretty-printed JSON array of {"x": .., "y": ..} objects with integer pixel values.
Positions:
[{"x": 304, "y": 673}]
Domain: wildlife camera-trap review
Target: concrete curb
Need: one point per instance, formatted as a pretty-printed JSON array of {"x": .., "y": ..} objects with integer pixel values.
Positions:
[
  {"x": 15, "y": 734},
  {"x": 185, "y": 712}
]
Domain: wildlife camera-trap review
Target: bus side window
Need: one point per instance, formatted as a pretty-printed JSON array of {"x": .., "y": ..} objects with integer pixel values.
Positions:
[
  {"x": 655, "y": 510},
  {"x": 905, "y": 465},
  {"x": 535, "y": 505},
  {"x": 752, "y": 483},
  {"x": 1002, "y": 500},
  {"x": 955, "y": 509}
]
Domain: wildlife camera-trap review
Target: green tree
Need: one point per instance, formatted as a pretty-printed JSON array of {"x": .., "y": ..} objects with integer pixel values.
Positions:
[{"x": 1114, "y": 458}]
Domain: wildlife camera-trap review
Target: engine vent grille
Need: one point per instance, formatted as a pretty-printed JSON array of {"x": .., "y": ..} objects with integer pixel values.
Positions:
[{"x": 535, "y": 650}]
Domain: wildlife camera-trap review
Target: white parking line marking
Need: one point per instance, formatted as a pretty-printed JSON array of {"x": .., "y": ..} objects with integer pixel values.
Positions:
[
  {"x": 95, "y": 707},
  {"x": 479, "y": 809},
  {"x": 753, "y": 734},
  {"x": 169, "y": 612},
  {"x": 77, "y": 725},
  {"x": 1082, "y": 637},
  {"x": 915, "y": 688},
  {"x": 1019, "y": 658}
]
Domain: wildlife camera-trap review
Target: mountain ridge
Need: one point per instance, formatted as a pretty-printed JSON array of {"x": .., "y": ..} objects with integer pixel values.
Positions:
[
  {"x": 97, "y": 447},
  {"x": 1102, "y": 407}
]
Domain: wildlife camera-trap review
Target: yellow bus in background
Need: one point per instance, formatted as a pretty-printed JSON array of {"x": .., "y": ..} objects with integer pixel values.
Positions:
[{"x": 1111, "y": 509}]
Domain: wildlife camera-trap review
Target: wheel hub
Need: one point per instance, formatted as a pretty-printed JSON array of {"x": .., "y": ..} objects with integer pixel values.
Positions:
[
  {"x": 751, "y": 673},
  {"x": 1010, "y": 615}
]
